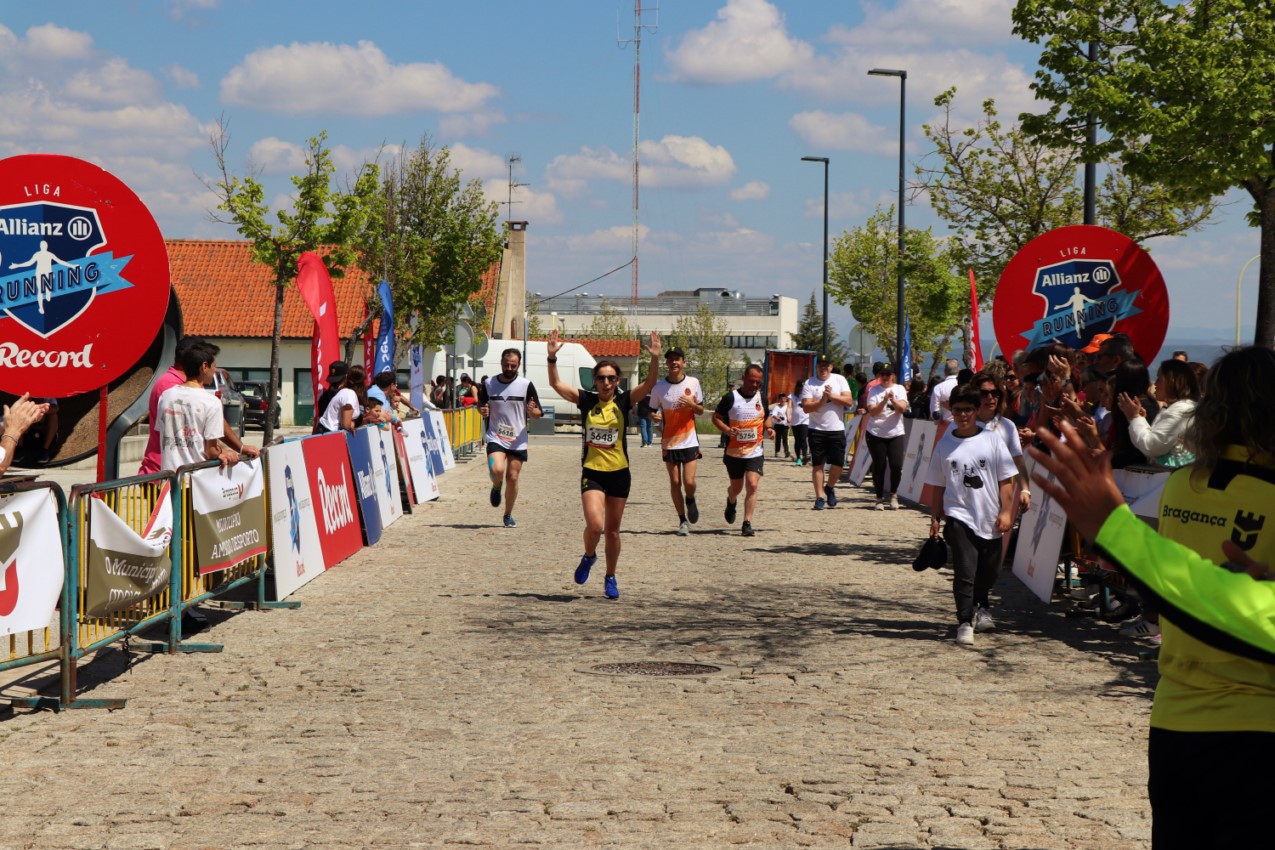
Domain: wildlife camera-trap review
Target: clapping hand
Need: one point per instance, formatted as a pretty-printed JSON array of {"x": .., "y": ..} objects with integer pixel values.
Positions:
[{"x": 1129, "y": 406}]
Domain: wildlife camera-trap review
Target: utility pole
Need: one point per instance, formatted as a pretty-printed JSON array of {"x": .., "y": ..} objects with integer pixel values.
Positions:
[{"x": 636, "y": 41}]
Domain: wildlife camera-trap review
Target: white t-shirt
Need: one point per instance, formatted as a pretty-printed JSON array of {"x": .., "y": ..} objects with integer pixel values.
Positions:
[
  {"x": 829, "y": 416},
  {"x": 942, "y": 392},
  {"x": 1008, "y": 432},
  {"x": 507, "y": 411},
  {"x": 331, "y": 418},
  {"x": 970, "y": 470},
  {"x": 799, "y": 416},
  {"x": 888, "y": 423},
  {"x": 779, "y": 414},
  {"x": 187, "y": 418},
  {"x": 679, "y": 421}
]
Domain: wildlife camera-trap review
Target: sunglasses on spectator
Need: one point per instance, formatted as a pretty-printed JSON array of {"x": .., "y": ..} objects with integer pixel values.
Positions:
[
  {"x": 607, "y": 378},
  {"x": 962, "y": 411},
  {"x": 990, "y": 393}
]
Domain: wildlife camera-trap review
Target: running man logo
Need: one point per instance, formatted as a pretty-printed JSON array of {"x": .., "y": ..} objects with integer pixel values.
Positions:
[
  {"x": 48, "y": 273},
  {"x": 1082, "y": 299},
  {"x": 10, "y": 537}
]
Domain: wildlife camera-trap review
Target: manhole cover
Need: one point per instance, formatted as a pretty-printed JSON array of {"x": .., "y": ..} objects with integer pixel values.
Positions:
[{"x": 654, "y": 668}]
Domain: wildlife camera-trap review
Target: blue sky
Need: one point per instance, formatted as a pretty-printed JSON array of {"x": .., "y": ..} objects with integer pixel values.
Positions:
[{"x": 734, "y": 93}]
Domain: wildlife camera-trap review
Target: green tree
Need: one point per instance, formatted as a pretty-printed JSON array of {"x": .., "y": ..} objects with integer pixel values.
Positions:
[
  {"x": 609, "y": 323},
  {"x": 702, "y": 335},
  {"x": 320, "y": 216},
  {"x": 1184, "y": 94},
  {"x": 809, "y": 335},
  {"x": 863, "y": 275},
  {"x": 433, "y": 237},
  {"x": 535, "y": 325}
]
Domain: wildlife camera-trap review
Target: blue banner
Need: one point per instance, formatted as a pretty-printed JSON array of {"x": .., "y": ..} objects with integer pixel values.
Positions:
[
  {"x": 364, "y": 485},
  {"x": 385, "y": 337},
  {"x": 905, "y": 365}
]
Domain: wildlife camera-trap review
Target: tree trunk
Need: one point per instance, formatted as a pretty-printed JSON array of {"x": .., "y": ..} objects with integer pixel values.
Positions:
[
  {"x": 1264, "y": 327},
  {"x": 272, "y": 386}
]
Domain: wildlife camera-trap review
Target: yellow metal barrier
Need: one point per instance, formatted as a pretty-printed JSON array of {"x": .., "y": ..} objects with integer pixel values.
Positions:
[{"x": 464, "y": 430}]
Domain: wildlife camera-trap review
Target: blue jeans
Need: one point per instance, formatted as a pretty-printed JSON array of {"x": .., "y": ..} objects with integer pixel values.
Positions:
[{"x": 644, "y": 428}]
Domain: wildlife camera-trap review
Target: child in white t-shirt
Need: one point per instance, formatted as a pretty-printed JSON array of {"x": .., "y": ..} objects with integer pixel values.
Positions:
[{"x": 972, "y": 476}]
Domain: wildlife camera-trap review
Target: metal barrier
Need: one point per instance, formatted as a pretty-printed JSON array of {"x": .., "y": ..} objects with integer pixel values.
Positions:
[
  {"x": 45, "y": 644},
  {"x": 464, "y": 430}
]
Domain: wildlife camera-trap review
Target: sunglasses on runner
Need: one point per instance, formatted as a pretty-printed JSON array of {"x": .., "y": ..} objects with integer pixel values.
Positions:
[{"x": 607, "y": 378}]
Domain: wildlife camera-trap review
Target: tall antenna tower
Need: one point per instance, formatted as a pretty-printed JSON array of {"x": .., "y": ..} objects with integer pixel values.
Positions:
[
  {"x": 636, "y": 41},
  {"x": 511, "y": 160}
]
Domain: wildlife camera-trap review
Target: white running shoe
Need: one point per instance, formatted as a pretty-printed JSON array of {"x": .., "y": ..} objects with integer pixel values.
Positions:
[
  {"x": 1141, "y": 627},
  {"x": 965, "y": 634},
  {"x": 983, "y": 620},
  {"x": 894, "y": 502},
  {"x": 880, "y": 506},
  {"x": 684, "y": 528}
]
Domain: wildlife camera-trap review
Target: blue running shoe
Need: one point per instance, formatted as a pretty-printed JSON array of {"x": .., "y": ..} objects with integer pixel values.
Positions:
[
  {"x": 509, "y": 522},
  {"x": 612, "y": 589},
  {"x": 818, "y": 504},
  {"x": 831, "y": 493},
  {"x": 586, "y": 564},
  {"x": 495, "y": 497}
]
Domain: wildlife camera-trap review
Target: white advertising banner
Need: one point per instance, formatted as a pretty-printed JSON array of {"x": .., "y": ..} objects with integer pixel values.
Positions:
[
  {"x": 229, "y": 516},
  {"x": 416, "y": 378},
  {"x": 1040, "y": 540},
  {"x": 384, "y": 474},
  {"x": 31, "y": 562},
  {"x": 1141, "y": 487},
  {"x": 424, "y": 484},
  {"x": 298, "y": 557},
  {"x": 916, "y": 459},
  {"x": 124, "y": 567},
  {"x": 442, "y": 444},
  {"x": 859, "y": 467}
]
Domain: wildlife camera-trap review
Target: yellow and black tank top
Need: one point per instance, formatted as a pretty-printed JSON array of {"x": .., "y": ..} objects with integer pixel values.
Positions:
[{"x": 603, "y": 427}]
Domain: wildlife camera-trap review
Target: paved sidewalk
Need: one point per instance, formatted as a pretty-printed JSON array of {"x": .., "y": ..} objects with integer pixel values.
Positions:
[{"x": 432, "y": 691}]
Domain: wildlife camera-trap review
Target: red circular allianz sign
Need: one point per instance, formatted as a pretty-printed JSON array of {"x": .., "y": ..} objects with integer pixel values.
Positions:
[
  {"x": 84, "y": 278},
  {"x": 1070, "y": 284}
]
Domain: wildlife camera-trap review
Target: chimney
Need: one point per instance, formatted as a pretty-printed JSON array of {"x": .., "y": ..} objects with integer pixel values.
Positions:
[{"x": 512, "y": 291}]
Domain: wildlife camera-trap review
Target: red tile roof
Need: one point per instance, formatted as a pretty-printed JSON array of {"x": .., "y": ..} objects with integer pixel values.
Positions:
[
  {"x": 223, "y": 293},
  {"x": 610, "y": 347}
]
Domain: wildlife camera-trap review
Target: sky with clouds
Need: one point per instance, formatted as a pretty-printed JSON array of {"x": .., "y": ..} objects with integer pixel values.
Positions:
[{"x": 734, "y": 93}]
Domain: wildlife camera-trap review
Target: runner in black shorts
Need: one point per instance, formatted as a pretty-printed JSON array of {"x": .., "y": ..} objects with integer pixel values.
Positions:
[
  {"x": 743, "y": 418},
  {"x": 614, "y": 485}
]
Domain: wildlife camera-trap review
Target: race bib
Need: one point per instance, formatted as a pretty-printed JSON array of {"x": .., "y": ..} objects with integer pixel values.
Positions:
[
  {"x": 601, "y": 438},
  {"x": 746, "y": 435},
  {"x": 506, "y": 432}
]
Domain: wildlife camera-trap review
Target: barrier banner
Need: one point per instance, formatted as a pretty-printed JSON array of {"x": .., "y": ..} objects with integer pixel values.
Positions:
[
  {"x": 859, "y": 469},
  {"x": 365, "y": 484},
  {"x": 441, "y": 445},
  {"x": 327, "y": 468},
  {"x": 428, "y": 437},
  {"x": 404, "y": 473},
  {"x": 124, "y": 567},
  {"x": 1141, "y": 487},
  {"x": 228, "y": 515},
  {"x": 384, "y": 474},
  {"x": 916, "y": 459},
  {"x": 1040, "y": 540},
  {"x": 31, "y": 561},
  {"x": 416, "y": 441},
  {"x": 927, "y": 492},
  {"x": 298, "y": 557}
]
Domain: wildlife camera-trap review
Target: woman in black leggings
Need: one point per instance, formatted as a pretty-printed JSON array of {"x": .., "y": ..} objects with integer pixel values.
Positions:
[
  {"x": 886, "y": 404},
  {"x": 799, "y": 421}
]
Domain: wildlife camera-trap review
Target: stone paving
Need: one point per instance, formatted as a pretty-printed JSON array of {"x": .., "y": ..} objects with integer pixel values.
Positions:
[{"x": 436, "y": 690}]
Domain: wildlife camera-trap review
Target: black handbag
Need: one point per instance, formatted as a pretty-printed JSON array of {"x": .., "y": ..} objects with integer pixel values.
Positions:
[{"x": 933, "y": 555}]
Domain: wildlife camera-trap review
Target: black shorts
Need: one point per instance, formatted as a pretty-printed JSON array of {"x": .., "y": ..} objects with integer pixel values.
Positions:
[
  {"x": 615, "y": 484},
  {"x": 737, "y": 466},
  {"x": 521, "y": 454},
  {"x": 682, "y": 455},
  {"x": 827, "y": 447}
]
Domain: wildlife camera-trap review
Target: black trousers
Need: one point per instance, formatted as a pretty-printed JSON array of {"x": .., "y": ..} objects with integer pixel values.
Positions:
[
  {"x": 1206, "y": 789},
  {"x": 975, "y": 564},
  {"x": 781, "y": 439},
  {"x": 800, "y": 443},
  {"x": 883, "y": 449}
]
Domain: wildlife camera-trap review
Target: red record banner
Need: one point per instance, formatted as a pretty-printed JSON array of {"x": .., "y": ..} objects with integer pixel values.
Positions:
[
  {"x": 84, "y": 278},
  {"x": 1070, "y": 284}
]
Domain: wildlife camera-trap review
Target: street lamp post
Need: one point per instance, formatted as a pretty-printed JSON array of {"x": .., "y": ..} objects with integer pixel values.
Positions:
[
  {"x": 1238, "y": 293},
  {"x": 824, "y": 160},
  {"x": 903, "y": 89}
]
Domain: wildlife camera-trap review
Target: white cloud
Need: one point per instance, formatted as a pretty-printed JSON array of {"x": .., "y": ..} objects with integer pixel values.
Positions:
[
  {"x": 477, "y": 163},
  {"x": 754, "y": 190},
  {"x": 847, "y": 131},
  {"x": 915, "y": 23},
  {"x": 618, "y": 240},
  {"x": 748, "y": 41},
  {"x": 469, "y": 124},
  {"x": 113, "y": 83},
  {"x": 182, "y": 77},
  {"x": 52, "y": 43},
  {"x": 529, "y": 205},
  {"x": 275, "y": 156},
  {"x": 677, "y": 162},
  {"x": 345, "y": 79}
]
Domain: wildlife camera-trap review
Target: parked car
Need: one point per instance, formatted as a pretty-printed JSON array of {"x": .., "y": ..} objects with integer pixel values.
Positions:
[
  {"x": 254, "y": 396},
  {"x": 232, "y": 402}
]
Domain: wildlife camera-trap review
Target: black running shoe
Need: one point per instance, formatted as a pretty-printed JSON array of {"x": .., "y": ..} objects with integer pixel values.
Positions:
[
  {"x": 692, "y": 511},
  {"x": 746, "y": 529},
  {"x": 730, "y": 512}
]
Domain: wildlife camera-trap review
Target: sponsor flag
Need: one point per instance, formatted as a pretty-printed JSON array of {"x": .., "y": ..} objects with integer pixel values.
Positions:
[
  {"x": 905, "y": 365},
  {"x": 30, "y": 561},
  {"x": 315, "y": 287},
  {"x": 229, "y": 515},
  {"x": 385, "y": 336},
  {"x": 417, "y": 397},
  {"x": 975, "y": 342},
  {"x": 126, "y": 568}
]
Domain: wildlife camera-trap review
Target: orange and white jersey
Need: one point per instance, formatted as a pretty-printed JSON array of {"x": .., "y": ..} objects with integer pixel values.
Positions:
[
  {"x": 679, "y": 421},
  {"x": 748, "y": 417}
]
